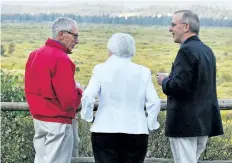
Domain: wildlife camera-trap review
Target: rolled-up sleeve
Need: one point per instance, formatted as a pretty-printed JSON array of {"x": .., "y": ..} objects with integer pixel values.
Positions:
[
  {"x": 153, "y": 104},
  {"x": 89, "y": 96}
]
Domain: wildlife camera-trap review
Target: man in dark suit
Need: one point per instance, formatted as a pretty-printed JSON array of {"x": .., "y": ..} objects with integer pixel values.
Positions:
[{"x": 193, "y": 112}]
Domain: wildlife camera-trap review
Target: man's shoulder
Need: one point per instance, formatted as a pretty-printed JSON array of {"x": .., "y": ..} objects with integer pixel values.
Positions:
[
  {"x": 36, "y": 51},
  {"x": 194, "y": 46},
  {"x": 190, "y": 46},
  {"x": 192, "y": 43},
  {"x": 54, "y": 52},
  {"x": 50, "y": 54}
]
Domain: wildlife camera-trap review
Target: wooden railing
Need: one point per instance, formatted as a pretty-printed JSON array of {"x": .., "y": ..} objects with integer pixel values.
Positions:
[
  {"x": 147, "y": 160},
  {"x": 225, "y": 104}
]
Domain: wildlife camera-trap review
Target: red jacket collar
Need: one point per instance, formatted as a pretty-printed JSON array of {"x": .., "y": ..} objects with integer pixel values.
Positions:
[{"x": 56, "y": 44}]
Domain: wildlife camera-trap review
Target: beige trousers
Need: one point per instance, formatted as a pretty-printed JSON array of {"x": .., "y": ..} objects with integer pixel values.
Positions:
[
  {"x": 76, "y": 139},
  {"x": 53, "y": 142},
  {"x": 187, "y": 149}
]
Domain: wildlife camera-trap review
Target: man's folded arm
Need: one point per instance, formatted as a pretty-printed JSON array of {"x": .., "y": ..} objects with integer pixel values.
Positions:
[{"x": 181, "y": 81}]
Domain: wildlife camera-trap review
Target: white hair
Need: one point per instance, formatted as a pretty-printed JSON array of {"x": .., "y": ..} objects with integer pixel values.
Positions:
[
  {"x": 122, "y": 45},
  {"x": 62, "y": 24}
]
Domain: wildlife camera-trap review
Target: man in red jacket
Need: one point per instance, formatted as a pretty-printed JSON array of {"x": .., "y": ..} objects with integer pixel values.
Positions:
[{"x": 52, "y": 94}]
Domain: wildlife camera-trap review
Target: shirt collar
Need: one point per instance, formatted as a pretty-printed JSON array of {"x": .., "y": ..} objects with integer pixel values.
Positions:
[
  {"x": 57, "y": 44},
  {"x": 195, "y": 37}
]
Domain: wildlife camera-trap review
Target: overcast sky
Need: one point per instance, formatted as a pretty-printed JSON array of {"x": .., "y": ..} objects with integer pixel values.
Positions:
[
  {"x": 130, "y": 3},
  {"x": 123, "y": 1}
]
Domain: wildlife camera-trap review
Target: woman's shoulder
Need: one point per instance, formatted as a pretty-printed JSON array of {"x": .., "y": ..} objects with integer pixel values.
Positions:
[{"x": 141, "y": 67}]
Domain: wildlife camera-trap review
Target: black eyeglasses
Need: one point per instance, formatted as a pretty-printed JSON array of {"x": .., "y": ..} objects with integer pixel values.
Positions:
[
  {"x": 74, "y": 35},
  {"x": 174, "y": 24}
]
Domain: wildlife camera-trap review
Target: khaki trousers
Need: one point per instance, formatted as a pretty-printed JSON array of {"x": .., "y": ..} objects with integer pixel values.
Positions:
[
  {"x": 76, "y": 139},
  {"x": 187, "y": 149},
  {"x": 53, "y": 142}
]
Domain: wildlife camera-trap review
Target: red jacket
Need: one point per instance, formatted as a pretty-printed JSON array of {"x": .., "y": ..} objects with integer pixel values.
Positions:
[{"x": 50, "y": 87}]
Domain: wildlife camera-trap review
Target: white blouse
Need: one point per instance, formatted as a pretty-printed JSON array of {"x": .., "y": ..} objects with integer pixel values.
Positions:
[{"x": 123, "y": 89}]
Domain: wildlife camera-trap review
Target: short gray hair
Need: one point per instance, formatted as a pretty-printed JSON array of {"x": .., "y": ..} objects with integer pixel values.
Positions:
[
  {"x": 62, "y": 24},
  {"x": 122, "y": 45},
  {"x": 192, "y": 19}
]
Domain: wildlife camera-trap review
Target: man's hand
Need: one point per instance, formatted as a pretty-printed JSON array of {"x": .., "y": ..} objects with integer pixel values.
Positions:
[
  {"x": 78, "y": 85},
  {"x": 160, "y": 77}
]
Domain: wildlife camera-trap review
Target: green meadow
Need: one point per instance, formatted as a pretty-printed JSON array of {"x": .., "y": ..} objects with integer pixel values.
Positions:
[{"x": 155, "y": 49}]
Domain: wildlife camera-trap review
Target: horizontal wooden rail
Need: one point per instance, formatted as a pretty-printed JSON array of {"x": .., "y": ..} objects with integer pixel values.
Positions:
[
  {"x": 225, "y": 104},
  {"x": 147, "y": 160}
]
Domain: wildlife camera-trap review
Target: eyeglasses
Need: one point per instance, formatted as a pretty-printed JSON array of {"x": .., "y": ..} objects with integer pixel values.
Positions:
[
  {"x": 174, "y": 24},
  {"x": 74, "y": 35}
]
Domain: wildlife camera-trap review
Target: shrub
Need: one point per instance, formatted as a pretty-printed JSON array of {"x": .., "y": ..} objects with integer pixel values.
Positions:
[
  {"x": 11, "y": 90},
  {"x": 16, "y": 137},
  {"x": 3, "y": 50},
  {"x": 11, "y": 48},
  {"x": 226, "y": 77}
]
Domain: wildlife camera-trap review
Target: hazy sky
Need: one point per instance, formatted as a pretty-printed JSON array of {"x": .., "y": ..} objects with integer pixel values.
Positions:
[
  {"x": 123, "y": 1},
  {"x": 128, "y": 3}
]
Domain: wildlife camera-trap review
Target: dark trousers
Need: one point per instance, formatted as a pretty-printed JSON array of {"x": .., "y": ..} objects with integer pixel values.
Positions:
[{"x": 119, "y": 147}]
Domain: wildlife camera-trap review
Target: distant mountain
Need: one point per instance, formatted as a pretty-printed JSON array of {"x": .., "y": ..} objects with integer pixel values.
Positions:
[{"x": 210, "y": 10}]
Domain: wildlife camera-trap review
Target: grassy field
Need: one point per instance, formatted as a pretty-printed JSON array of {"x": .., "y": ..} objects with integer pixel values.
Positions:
[{"x": 154, "y": 48}]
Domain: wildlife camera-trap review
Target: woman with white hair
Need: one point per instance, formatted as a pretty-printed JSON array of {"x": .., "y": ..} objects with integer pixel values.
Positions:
[{"x": 120, "y": 126}]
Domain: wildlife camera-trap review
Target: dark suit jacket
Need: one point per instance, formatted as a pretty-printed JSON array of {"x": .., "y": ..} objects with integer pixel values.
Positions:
[{"x": 192, "y": 105}]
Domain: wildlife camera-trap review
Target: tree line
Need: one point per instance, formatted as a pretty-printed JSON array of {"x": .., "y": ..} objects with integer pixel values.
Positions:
[{"x": 106, "y": 19}]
